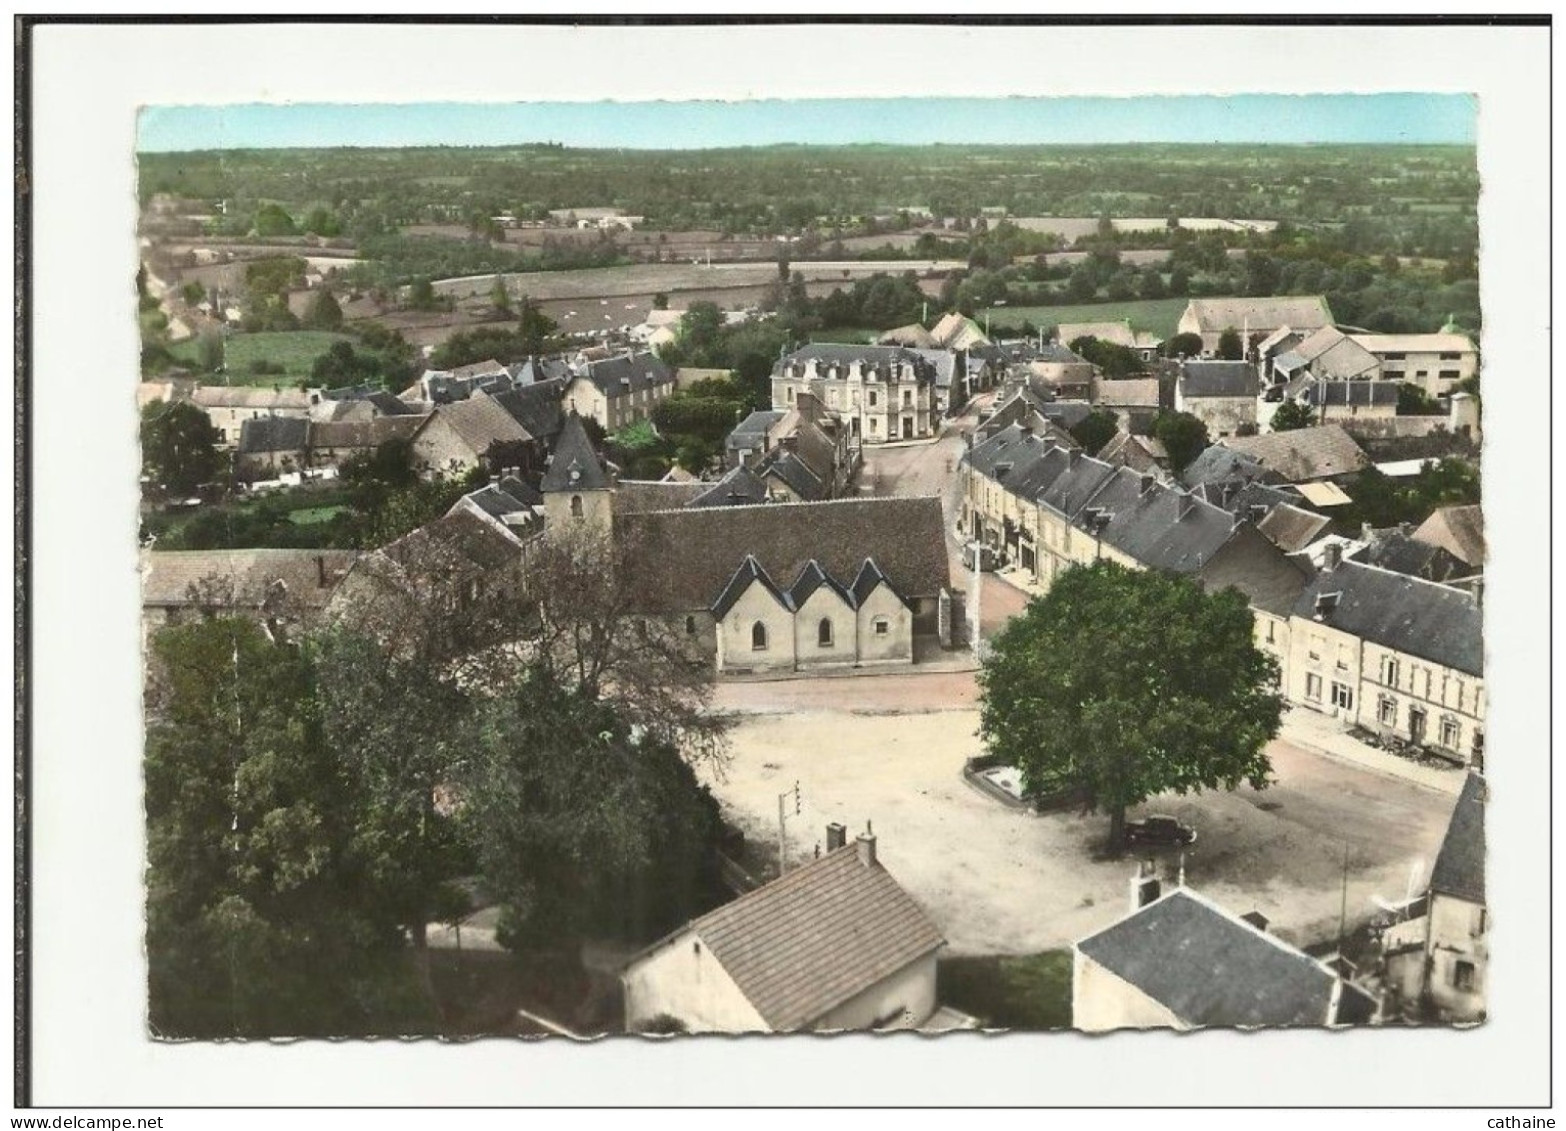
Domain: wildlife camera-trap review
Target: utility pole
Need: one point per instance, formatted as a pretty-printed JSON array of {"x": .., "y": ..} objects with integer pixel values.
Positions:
[
  {"x": 1343, "y": 905},
  {"x": 782, "y": 827}
]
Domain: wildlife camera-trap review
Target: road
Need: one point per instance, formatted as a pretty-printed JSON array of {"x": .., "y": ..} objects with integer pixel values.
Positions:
[{"x": 931, "y": 469}]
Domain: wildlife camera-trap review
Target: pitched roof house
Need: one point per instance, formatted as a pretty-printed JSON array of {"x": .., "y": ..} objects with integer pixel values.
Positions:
[
  {"x": 1303, "y": 454},
  {"x": 1210, "y": 317},
  {"x": 832, "y": 945},
  {"x": 1183, "y": 962},
  {"x": 1457, "y": 530},
  {"x": 457, "y": 437}
]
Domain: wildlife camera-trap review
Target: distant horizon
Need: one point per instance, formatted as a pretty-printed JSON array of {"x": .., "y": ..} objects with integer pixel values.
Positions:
[{"x": 1250, "y": 119}]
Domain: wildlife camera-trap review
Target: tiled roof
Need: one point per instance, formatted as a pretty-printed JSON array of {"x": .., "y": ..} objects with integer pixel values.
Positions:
[
  {"x": 632, "y": 496},
  {"x": 1395, "y": 549},
  {"x": 914, "y": 336},
  {"x": 1415, "y": 343},
  {"x": 273, "y": 434},
  {"x": 1332, "y": 354},
  {"x": 685, "y": 557},
  {"x": 457, "y": 536},
  {"x": 1222, "y": 464},
  {"x": 1302, "y": 312},
  {"x": 791, "y": 470},
  {"x": 1212, "y": 969},
  {"x": 1290, "y": 528},
  {"x": 1459, "y": 866},
  {"x": 168, "y": 575},
  {"x": 497, "y": 502},
  {"x": 817, "y": 936},
  {"x": 1129, "y": 392},
  {"x": 1458, "y": 530},
  {"x": 1303, "y": 454},
  {"x": 1117, "y": 333},
  {"x": 238, "y": 396},
  {"x": 1218, "y": 379},
  {"x": 573, "y": 466},
  {"x": 479, "y": 422},
  {"x": 363, "y": 434},
  {"x": 1406, "y": 614}
]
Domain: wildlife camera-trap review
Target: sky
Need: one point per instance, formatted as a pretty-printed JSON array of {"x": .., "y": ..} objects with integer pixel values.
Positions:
[{"x": 1287, "y": 119}]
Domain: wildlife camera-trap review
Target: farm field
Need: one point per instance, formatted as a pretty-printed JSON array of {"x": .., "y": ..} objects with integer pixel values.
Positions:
[
  {"x": 1159, "y": 315},
  {"x": 1076, "y": 227},
  {"x": 294, "y": 350},
  {"x": 609, "y": 282}
]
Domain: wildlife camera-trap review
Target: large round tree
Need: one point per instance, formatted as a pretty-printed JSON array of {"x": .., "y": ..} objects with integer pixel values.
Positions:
[{"x": 1126, "y": 684}]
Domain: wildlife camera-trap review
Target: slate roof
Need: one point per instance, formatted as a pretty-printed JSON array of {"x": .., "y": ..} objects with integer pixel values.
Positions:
[
  {"x": 497, "y": 502},
  {"x": 273, "y": 434},
  {"x": 943, "y": 362},
  {"x": 1221, "y": 464},
  {"x": 684, "y": 558},
  {"x": 1135, "y": 452},
  {"x": 573, "y": 466},
  {"x": 1302, "y": 312},
  {"x": 1330, "y": 353},
  {"x": 880, "y": 359},
  {"x": 1407, "y": 614},
  {"x": 1459, "y": 866},
  {"x": 817, "y": 936},
  {"x": 168, "y": 575},
  {"x": 1459, "y": 530},
  {"x": 457, "y": 536},
  {"x": 749, "y": 572},
  {"x": 749, "y": 432},
  {"x": 1070, "y": 491},
  {"x": 1398, "y": 551},
  {"x": 521, "y": 490},
  {"x": 812, "y": 577},
  {"x": 1203, "y": 379},
  {"x": 1212, "y": 969},
  {"x": 621, "y": 376},
  {"x": 1303, "y": 454},
  {"x": 1270, "y": 578},
  {"x": 789, "y": 468},
  {"x": 1163, "y": 528},
  {"x": 737, "y": 488},
  {"x": 870, "y": 576},
  {"x": 535, "y": 407}
]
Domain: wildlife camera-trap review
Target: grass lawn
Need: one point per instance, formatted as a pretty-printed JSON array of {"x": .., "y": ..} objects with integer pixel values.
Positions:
[
  {"x": 1160, "y": 315},
  {"x": 1031, "y": 992},
  {"x": 309, "y": 515},
  {"x": 294, "y": 350}
]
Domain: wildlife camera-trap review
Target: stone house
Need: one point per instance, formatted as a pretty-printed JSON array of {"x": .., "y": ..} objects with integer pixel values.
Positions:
[
  {"x": 1221, "y": 394},
  {"x": 834, "y": 944},
  {"x": 1394, "y": 654},
  {"x": 1180, "y": 961},
  {"x": 1434, "y": 362},
  {"x": 272, "y": 444},
  {"x": 1457, "y": 530},
  {"x": 619, "y": 391},
  {"x": 1436, "y": 957},
  {"x": 229, "y": 406},
  {"x": 456, "y": 438},
  {"x": 1253, "y": 319},
  {"x": 883, "y": 392}
]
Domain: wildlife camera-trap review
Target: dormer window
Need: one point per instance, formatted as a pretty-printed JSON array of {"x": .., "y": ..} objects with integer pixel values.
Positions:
[{"x": 1326, "y": 604}]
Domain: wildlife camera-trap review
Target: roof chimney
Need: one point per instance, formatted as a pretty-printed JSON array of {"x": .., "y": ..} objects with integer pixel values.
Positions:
[
  {"x": 864, "y": 844},
  {"x": 1145, "y": 885},
  {"x": 1148, "y": 479},
  {"x": 1184, "y": 505},
  {"x": 837, "y": 836},
  {"x": 1331, "y": 556},
  {"x": 320, "y": 570}
]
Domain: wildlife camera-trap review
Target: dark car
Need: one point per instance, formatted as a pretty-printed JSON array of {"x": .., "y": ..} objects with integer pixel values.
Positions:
[{"x": 1160, "y": 830}]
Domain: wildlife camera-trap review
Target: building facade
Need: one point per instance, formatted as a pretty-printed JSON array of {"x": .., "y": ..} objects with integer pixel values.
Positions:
[{"x": 884, "y": 393}]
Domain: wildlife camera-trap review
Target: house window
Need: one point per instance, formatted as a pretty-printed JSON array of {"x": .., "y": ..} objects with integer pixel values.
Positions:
[
  {"x": 690, "y": 626},
  {"x": 1386, "y": 711},
  {"x": 1421, "y": 373},
  {"x": 1463, "y": 975},
  {"x": 1450, "y": 374},
  {"x": 824, "y": 633},
  {"x": 1315, "y": 646},
  {"x": 1343, "y": 657},
  {"x": 1389, "y": 671},
  {"x": 1313, "y": 687},
  {"x": 1395, "y": 356},
  {"x": 1477, "y": 758},
  {"x": 1271, "y": 632},
  {"x": 758, "y": 637},
  {"x": 1451, "y": 357},
  {"x": 875, "y": 425},
  {"x": 1451, "y": 731},
  {"x": 882, "y": 626},
  {"x": 872, "y": 398},
  {"x": 1342, "y": 695},
  {"x": 907, "y": 396}
]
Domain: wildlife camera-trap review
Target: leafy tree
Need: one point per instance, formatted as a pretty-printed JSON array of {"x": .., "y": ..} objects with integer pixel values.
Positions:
[
  {"x": 1183, "y": 345},
  {"x": 323, "y": 313},
  {"x": 193, "y": 293},
  {"x": 389, "y": 465},
  {"x": 274, "y": 220},
  {"x": 421, "y": 294},
  {"x": 257, "y": 924},
  {"x": 1292, "y": 415},
  {"x": 660, "y": 301},
  {"x": 1184, "y": 437},
  {"x": 342, "y": 365},
  {"x": 1230, "y": 347},
  {"x": 583, "y": 825},
  {"x": 1126, "y": 684},
  {"x": 322, "y": 222},
  {"x": 266, "y": 278},
  {"x": 1152, "y": 286},
  {"x": 535, "y": 329},
  {"x": 179, "y": 449},
  {"x": 209, "y": 350},
  {"x": 1414, "y": 401},
  {"x": 1095, "y": 430},
  {"x": 1114, "y": 360},
  {"x": 499, "y": 296}
]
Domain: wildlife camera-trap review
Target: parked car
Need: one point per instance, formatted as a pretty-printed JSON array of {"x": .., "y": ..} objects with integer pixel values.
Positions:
[{"x": 1160, "y": 830}]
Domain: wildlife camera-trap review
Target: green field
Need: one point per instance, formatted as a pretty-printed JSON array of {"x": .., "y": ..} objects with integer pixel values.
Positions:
[
  {"x": 311, "y": 515},
  {"x": 1159, "y": 315},
  {"x": 846, "y": 335},
  {"x": 294, "y": 350}
]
